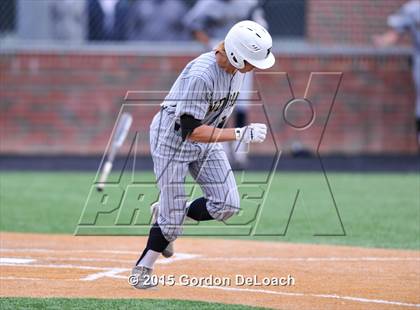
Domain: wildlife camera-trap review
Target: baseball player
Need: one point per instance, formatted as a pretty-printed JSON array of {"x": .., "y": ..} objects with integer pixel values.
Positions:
[
  {"x": 185, "y": 137},
  {"x": 406, "y": 19},
  {"x": 209, "y": 21}
]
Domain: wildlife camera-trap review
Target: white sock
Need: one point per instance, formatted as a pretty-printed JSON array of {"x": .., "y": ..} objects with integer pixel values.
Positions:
[{"x": 149, "y": 259}]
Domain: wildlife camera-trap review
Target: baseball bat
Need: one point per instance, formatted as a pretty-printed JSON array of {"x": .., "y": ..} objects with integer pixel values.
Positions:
[{"x": 123, "y": 126}]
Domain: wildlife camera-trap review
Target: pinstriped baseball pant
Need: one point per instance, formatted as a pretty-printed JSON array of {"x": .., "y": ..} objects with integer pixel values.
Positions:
[{"x": 208, "y": 165}]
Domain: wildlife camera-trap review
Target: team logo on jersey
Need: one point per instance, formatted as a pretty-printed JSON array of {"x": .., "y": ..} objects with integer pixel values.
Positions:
[{"x": 224, "y": 102}]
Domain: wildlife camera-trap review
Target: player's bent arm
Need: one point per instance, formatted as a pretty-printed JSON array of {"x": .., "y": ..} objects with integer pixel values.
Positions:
[
  {"x": 193, "y": 130},
  {"x": 210, "y": 134}
]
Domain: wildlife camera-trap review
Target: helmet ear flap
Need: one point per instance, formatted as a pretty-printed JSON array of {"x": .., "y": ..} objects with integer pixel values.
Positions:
[{"x": 234, "y": 59}]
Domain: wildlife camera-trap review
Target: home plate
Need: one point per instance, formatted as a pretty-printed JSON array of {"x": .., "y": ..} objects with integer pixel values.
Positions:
[{"x": 12, "y": 260}]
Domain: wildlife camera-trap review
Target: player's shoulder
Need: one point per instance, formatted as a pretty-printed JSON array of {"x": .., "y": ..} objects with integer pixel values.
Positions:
[
  {"x": 206, "y": 61},
  {"x": 205, "y": 67}
]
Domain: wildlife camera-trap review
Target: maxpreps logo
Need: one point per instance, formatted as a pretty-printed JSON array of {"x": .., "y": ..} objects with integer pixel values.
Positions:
[{"x": 123, "y": 207}]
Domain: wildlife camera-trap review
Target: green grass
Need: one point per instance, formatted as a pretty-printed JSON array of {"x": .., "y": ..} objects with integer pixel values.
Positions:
[
  {"x": 144, "y": 304},
  {"x": 377, "y": 210}
]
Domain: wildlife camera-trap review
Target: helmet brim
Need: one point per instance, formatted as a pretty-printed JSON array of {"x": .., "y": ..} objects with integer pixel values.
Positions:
[{"x": 264, "y": 63}]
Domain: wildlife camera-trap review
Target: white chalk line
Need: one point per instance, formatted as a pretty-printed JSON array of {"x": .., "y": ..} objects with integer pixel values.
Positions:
[
  {"x": 199, "y": 257},
  {"x": 177, "y": 257},
  {"x": 327, "y": 296},
  {"x": 34, "y": 279},
  {"x": 84, "y": 259},
  {"x": 162, "y": 261},
  {"x": 64, "y": 266},
  {"x": 103, "y": 274},
  {"x": 14, "y": 260},
  {"x": 103, "y": 271},
  {"x": 66, "y": 251},
  {"x": 313, "y": 259},
  {"x": 114, "y": 273}
]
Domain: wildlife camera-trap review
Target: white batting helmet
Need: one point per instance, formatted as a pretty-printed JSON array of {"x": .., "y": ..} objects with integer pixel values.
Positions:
[{"x": 249, "y": 41}]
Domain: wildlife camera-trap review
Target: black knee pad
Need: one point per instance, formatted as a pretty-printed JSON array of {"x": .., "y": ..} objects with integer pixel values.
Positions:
[{"x": 198, "y": 210}]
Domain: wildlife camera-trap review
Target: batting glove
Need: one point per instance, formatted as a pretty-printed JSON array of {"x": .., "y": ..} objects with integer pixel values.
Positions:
[{"x": 253, "y": 133}]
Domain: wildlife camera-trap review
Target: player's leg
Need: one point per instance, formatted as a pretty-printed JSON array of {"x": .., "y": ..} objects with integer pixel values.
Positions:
[
  {"x": 170, "y": 175},
  {"x": 215, "y": 176},
  {"x": 170, "y": 178},
  {"x": 169, "y": 250}
]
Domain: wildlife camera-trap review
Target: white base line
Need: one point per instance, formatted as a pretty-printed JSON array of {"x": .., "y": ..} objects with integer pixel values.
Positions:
[
  {"x": 163, "y": 261},
  {"x": 103, "y": 274},
  {"x": 35, "y": 279},
  {"x": 16, "y": 260},
  {"x": 66, "y": 251},
  {"x": 104, "y": 271},
  {"x": 358, "y": 299},
  {"x": 314, "y": 259},
  {"x": 195, "y": 256},
  {"x": 62, "y": 266},
  {"x": 177, "y": 257},
  {"x": 85, "y": 259}
]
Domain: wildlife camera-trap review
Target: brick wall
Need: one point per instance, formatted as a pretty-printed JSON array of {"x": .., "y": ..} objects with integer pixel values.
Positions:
[
  {"x": 67, "y": 103},
  {"x": 348, "y": 21}
]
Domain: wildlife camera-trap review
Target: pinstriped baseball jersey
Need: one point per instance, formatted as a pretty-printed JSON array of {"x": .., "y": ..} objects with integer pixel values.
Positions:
[
  {"x": 204, "y": 90},
  {"x": 208, "y": 93}
]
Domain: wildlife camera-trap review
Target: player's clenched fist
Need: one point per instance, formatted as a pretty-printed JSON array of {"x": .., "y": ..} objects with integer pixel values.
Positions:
[{"x": 253, "y": 133}]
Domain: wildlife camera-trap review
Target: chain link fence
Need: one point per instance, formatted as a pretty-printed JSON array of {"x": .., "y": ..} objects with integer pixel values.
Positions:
[{"x": 109, "y": 20}]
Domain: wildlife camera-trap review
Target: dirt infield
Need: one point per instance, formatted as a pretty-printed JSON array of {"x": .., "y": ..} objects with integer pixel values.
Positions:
[{"x": 325, "y": 277}]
